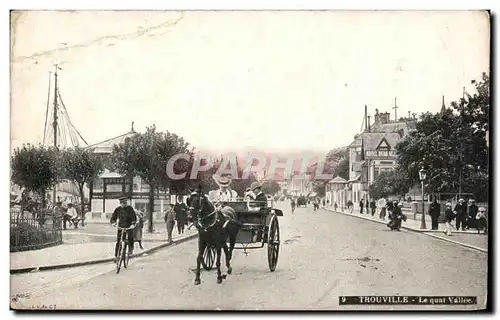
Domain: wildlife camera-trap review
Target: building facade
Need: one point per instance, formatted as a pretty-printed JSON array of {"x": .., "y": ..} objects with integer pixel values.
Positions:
[
  {"x": 373, "y": 152},
  {"x": 109, "y": 186}
]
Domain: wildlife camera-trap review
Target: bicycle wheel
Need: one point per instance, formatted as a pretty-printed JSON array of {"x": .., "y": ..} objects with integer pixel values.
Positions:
[
  {"x": 125, "y": 255},
  {"x": 119, "y": 258}
]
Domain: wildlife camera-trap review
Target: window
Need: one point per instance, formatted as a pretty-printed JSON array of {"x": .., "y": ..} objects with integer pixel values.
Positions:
[{"x": 98, "y": 184}]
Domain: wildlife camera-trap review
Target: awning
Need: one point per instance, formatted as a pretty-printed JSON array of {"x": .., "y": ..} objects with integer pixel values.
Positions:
[{"x": 356, "y": 178}]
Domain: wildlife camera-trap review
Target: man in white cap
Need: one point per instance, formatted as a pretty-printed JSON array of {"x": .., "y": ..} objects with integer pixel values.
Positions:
[{"x": 224, "y": 193}]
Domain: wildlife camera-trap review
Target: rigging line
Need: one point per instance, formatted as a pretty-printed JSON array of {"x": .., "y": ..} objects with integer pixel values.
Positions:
[
  {"x": 50, "y": 129},
  {"x": 61, "y": 132},
  {"x": 67, "y": 127},
  {"x": 66, "y": 111},
  {"x": 64, "y": 130},
  {"x": 46, "y": 111}
]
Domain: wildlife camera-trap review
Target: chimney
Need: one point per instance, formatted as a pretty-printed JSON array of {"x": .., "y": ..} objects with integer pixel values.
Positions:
[
  {"x": 377, "y": 117},
  {"x": 369, "y": 123},
  {"x": 366, "y": 117},
  {"x": 385, "y": 117}
]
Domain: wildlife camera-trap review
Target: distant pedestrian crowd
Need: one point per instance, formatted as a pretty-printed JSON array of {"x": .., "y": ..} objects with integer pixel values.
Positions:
[{"x": 467, "y": 215}]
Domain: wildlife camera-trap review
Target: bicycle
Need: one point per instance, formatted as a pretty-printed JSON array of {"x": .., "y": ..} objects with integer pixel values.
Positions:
[{"x": 123, "y": 255}]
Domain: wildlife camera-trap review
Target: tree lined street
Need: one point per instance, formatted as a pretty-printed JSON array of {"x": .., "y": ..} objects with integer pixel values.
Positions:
[{"x": 323, "y": 255}]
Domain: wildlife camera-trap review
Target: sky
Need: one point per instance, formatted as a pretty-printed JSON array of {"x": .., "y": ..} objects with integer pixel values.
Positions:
[{"x": 280, "y": 81}]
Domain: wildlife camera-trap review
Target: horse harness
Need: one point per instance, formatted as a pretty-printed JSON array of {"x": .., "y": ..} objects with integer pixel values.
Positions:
[{"x": 198, "y": 222}]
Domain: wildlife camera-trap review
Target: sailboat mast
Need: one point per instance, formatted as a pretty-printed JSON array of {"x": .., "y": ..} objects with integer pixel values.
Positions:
[
  {"x": 55, "y": 131},
  {"x": 55, "y": 109}
]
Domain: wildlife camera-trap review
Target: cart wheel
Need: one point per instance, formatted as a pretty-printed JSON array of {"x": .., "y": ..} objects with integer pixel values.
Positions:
[
  {"x": 208, "y": 258},
  {"x": 273, "y": 243}
]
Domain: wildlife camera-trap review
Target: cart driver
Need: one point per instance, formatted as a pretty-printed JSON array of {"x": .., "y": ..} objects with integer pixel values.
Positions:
[{"x": 224, "y": 193}]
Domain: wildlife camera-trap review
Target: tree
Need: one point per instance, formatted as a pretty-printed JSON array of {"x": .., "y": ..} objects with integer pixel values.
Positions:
[
  {"x": 390, "y": 183},
  {"x": 35, "y": 169},
  {"x": 270, "y": 187},
  {"x": 80, "y": 166},
  {"x": 451, "y": 144},
  {"x": 146, "y": 155},
  {"x": 337, "y": 162}
]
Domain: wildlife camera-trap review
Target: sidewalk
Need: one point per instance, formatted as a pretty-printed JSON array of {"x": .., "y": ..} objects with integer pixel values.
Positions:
[
  {"x": 88, "y": 245},
  {"x": 470, "y": 239}
]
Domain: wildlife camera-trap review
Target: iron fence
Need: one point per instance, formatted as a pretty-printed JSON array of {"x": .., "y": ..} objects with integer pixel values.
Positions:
[{"x": 34, "y": 230}]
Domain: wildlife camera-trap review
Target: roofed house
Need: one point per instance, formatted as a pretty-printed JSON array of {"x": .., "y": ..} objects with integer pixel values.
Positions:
[
  {"x": 109, "y": 186},
  {"x": 373, "y": 152}
]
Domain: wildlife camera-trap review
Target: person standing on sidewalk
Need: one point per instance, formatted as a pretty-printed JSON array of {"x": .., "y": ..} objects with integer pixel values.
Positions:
[
  {"x": 180, "y": 209},
  {"x": 72, "y": 215},
  {"x": 361, "y": 205},
  {"x": 139, "y": 227},
  {"x": 170, "y": 221},
  {"x": 58, "y": 214},
  {"x": 434, "y": 212},
  {"x": 461, "y": 214},
  {"x": 373, "y": 206},
  {"x": 350, "y": 206},
  {"x": 382, "y": 205},
  {"x": 449, "y": 215},
  {"x": 471, "y": 214},
  {"x": 482, "y": 220},
  {"x": 126, "y": 217}
]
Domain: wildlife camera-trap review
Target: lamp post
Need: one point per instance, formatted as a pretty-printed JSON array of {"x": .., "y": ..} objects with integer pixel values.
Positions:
[{"x": 422, "y": 174}]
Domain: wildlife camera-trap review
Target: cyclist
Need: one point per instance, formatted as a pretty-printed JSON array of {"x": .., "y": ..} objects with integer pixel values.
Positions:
[{"x": 126, "y": 218}]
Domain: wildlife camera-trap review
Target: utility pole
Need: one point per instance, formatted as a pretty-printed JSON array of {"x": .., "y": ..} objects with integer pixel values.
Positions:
[
  {"x": 395, "y": 110},
  {"x": 54, "y": 191},
  {"x": 461, "y": 146}
]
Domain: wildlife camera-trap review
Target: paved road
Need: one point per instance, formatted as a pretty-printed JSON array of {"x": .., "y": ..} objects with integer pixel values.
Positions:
[{"x": 323, "y": 255}]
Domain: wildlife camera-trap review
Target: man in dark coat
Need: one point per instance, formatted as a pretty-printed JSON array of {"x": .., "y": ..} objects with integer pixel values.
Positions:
[
  {"x": 361, "y": 205},
  {"x": 461, "y": 214},
  {"x": 471, "y": 214},
  {"x": 180, "y": 210},
  {"x": 434, "y": 212},
  {"x": 256, "y": 188},
  {"x": 126, "y": 217},
  {"x": 373, "y": 206}
]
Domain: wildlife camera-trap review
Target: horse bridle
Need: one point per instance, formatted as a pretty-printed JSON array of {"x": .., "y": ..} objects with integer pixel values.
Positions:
[{"x": 197, "y": 222}]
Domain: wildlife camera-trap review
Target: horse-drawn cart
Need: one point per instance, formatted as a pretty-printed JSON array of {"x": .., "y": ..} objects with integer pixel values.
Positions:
[{"x": 259, "y": 227}]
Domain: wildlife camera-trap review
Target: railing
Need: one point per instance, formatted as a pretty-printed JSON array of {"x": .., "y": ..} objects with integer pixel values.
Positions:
[{"x": 32, "y": 231}]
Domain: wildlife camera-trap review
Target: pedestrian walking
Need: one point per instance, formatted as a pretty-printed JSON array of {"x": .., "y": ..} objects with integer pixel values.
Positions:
[
  {"x": 434, "y": 212},
  {"x": 449, "y": 215},
  {"x": 335, "y": 206},
  {"x": 170, "y": 221},
  {"x": 373, "y": 206},
  {"x": 138, "y": 230},
  {"x": 382, "y": 205},
  {"x": 361, "y": 205},
  {"x": 461, "y": 214},
  {"x": 350, "y": 206},
  {"x": 472, "y": 211},
  {"x": 180, "y": 209}
]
